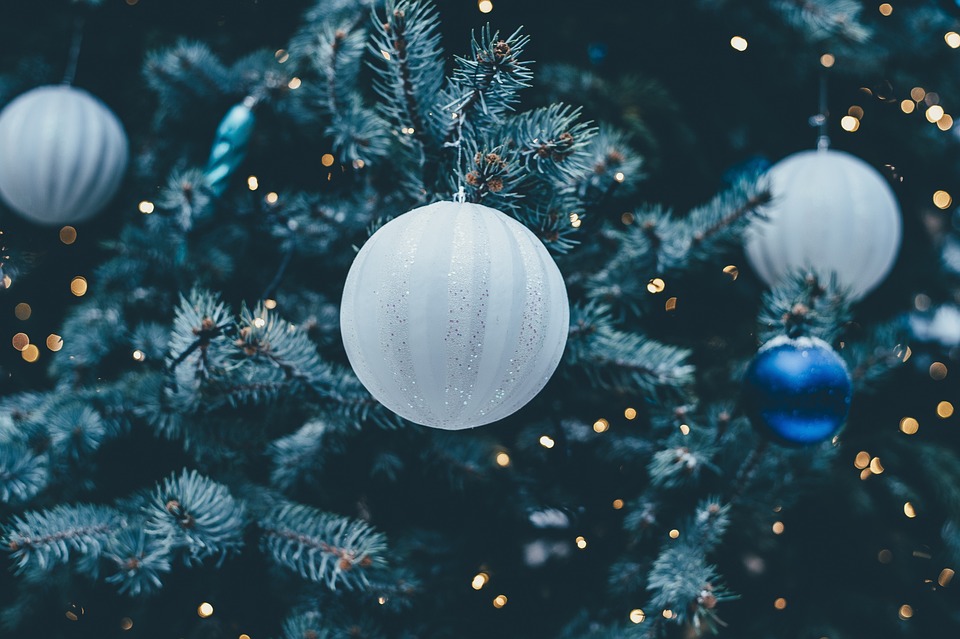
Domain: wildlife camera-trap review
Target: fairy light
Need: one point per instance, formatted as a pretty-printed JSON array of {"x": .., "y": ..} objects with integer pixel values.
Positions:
[
  {"x": 499, "y": 601},
  {"x": 381, "y": 600},
  {"x": 779, "y": 603},
  {"x": 862, "y": 460},
  {"x": 269, "y": 304},
  {"x": 271, "y": 198},
  {"x": 126, "y": 623},
  {"x": 885, "y": 9},
  {"x": 674, "y": 534},
  {"x": 934, "y": 113},
  {"x": 385, "y": 54},
  {"x": 205, "y": 610},
  {"x": 856, "y": 111},
  {"x": 849, "y": 123},
  {"x": 326, "y": 159},
  {"x": 30, "y": 354},
  {"x": 601, "y": 426},
  {"x": 945, "y": 123},
  {"x": 20, "y": 341},
  {"x": 617, "y": 504},
  {"x": 946, "y": 576},
  {"x": 777, "y": 528},
  {"x": 684, "y": 429},
  {"x": 145, "y": 207},
  {"x": 732, "y": 271},
  {"x": 671, "y": 304},
  {"x": 68, "y": 235},
  {"x": 905, "y": 612},
  {"x": 938, "y": 370},
  {"x": 479, "y": 580},
  {"x": 656, "y": 285},
  {"x": 78, "y": 286},
  {"x": 827, "y": 60},
  {"x": 909, "y": 426},
  {"x": 54, "y": 342},
  {"x": 944, "y": 409},
  {"x": 637, "y": 615},
  {"x": 630, "y": 413},
  {"x": 485, "y": 6},
  {"x": 619, "y": 176},
  {"x": 909, "y": 510},
  {"x": 259, "y": 322},
  {"x": 908, "y": 106},
  {"x": 876, "y": 467},
  {"x": 294, "y": 83},
  {"x": 546, "y": 441},
  {"x": 138, "y": 355},
  {"x": 917, "y": 93},
  {"x": 281, "y": 55},
  {"x": 581, "y": 542},
  {"x": 503, "y": 459},
  {"x": 253, "y": 183},
  {"x": 22, "y": 311},
  {"x": 884, "y": 556},
  {"x": 667, "y": 614},
  {"x": 627, "y": 218},
  {"x": 739, "y": 43},
  {"x": 952, "y": 38}
]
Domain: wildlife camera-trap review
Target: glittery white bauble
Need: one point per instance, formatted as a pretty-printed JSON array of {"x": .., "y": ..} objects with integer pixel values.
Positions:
[
  {"x": 454, "y": 315},
  {"x": 62, "y": 155},
  {"x": 831, "y": 212}
]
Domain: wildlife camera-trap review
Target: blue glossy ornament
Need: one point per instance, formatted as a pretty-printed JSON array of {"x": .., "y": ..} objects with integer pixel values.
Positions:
[
  {"x": 797, "y": 390},
  {"x": 229, "y": 146}
]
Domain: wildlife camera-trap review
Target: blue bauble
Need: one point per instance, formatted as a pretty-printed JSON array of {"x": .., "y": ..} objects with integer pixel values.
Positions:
[
  {"x": 797, "y": 390},
  {"x": 229, "y": 146}
]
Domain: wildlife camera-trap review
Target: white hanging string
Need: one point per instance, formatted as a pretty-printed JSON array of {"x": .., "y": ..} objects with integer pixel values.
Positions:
[
  {"x": 74, "y": 55},
  {"x": 823, "y": 140},
  {"x": 460, "y": 196}
]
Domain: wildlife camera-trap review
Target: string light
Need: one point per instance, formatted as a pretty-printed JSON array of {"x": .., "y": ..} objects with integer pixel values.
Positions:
[
  {"x": 381, "y": 601},
  {"x": 667, "y": 614},
  {"x": 30, "y": 353},
  {"x": 138, "y": 355},
  {"x": 849, "y": 123},
  {"x": 944, "y": 409},
  {"x": 601, "y": 426},
  {"x": 22, "y": 311},
  {"x": 546, "y": 441},
  {"x": 74, "y": 612},
  {"x": 777, "y": 528},
  {"x": 54, "y": 342},
  {"x": 855, "y": 111},
  {"x": 20, "y": 341},
  {"x": 875, "y": 466},
  {"x": 909, "y": 510},
  {"x": 656, "y": 285},
  {"x": 499, "y": 601},
  {"x": 938, "y": 370},
  {"x": 779, "y": 603},
  {"x": 934, "y": 113},
  {"x": 739, "y": 43},
  {"x": 885, "y": 9},
  {"x": 862, "y": 460},
  {"x": 671, "y": 304},
  {"x": 674, "y": 533},
  {"x": 619, "y": 176},
  {"x": 952, "y": 38},
  {"x": 479, "y": 580},
  {"x": 269, "y": 304},
  {"x": 945, "y": 123},
  {"x": 485, "y": 6},
  {"x": 126, "y": 623},
  {"x": 78, "y": 286},
  {"x": 908, "y": 106},
  {"x": 917, "y": 93},
  {"x": 946, "y": 576},
  {"x": 581, "y": 542},
  {"x": 68, "y": 235},
  {"x": 827, "y": 60},
  {"x": 732, "y": 271},
  {"x": 385, "y": 54},
  {"x": 909, "y": 426},
  {"x": 294, "y": 83},
  {"x": 684, "y": 429},
  {"x": 905, "y": 612},
  {"x": 627, "y": 218},
  {"x": 205, "y": 610},
  {"x": 637, "y": 615},
  {"x": 503, "y": 459},
  {"x": 253, "y": 183},
  {"x": 326, "y": 159},
  {"x": 145, "y": 207},
  {"x": 617, "y": 504},
  {"x": 630, "y": 413},
  {"x": 271, "y": 198}
]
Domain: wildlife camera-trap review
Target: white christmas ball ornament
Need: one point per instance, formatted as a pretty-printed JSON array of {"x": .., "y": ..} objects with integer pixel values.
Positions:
[
  {"x": 62, "y": 155},
  {"x": 831, "y": 212},
  {"x": 454, "y": 315}
]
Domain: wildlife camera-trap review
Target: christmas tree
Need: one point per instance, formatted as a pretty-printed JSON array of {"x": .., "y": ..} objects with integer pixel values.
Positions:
[{"x": 186, "y": 450}]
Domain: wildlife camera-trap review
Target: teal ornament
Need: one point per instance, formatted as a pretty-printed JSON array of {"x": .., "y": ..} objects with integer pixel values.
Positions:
[
  {"x": 229, "y": 146},
  {"x": 797, "y": 391}
]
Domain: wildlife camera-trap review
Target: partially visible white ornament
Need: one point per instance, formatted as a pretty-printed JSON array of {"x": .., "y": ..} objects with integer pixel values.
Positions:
[
  {"x": 831, "y": 212},
  {"x": 63, "y": 154},
  {"x": 942, "y": 327},
  {"x": 454, "y": 315}
]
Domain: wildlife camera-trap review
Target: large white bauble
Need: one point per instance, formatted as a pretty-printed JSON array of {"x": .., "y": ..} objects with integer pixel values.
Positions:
[
  {"x": 832, "y": 213},
  {"x": 62, "y": 155},
  {"x": 454, "y": 315}
]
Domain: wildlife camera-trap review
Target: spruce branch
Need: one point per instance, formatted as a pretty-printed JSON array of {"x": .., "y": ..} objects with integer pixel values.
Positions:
[
  {"x": 322, "y": 547},
  {"x": 23, "y": 473},
  {"x": 138, "y": 560},
  {"x": 39, "y": 540},
  {"x": 804, "y": 305}
]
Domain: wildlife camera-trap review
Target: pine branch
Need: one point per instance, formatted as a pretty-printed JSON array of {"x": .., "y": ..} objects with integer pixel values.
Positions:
[
  {"x": 38, "y": 540},
  {"x": 804, "y": 305},
  {"x": 139, "y": 561},
  {"x": 321, "y": 547},
  {"x": 23, "y": 473}
]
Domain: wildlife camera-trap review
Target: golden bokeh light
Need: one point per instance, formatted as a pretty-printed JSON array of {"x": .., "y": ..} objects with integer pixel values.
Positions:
[
  {"x": 779, "y": 603},
  {"x": 827, "y": 60},
  {"x": 944, "y": 409},
  {"x": 630, "y": 413},
  {"x": 78, "y": 286},
  {"x": 777, "y": 528},
  {"x": 938, "y": 370},
  {"x": 327, "y": 159},
  {"x": 546, "y": 441},
  {"x": 905, "y": 612},
  {"x": 503, "y": 459},
  {"x": 637, "y": 615},
  {"x": 485, "y": 6},
  {"x": 909, "y": 510},
  {"x": 68, "y": 235},
  {"x": 479, "y": 580},
  {"x": 908, "y": 106},
  {"x": 739, "y": 43},
  {"x": 849, "y": 123},
  {"x": 205, "y": 610},
  {"x": 952, "y": 38},
  {"x": 581, "y": 542},
  {"x": 22, "y": 311},
  {"x": 30, "y": 353},
  {"x": 942, "y": 199},
  {"x": 885, "y": 9},
  {"x": 601, "y": 426},
  {"x": 909, "y": 425},
  {"x": 54, "y": 342},
  {"x": 20, "y": 341},
  {"x": 499, "y": 601},
  {"x": 656, "y": 285},
  {"x": 617, "y": 504}
]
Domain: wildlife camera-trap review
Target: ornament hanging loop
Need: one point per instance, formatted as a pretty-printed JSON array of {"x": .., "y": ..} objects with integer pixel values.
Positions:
[
  {"x": 74, "y": 55},
  {"x": 820, "y": 119}
]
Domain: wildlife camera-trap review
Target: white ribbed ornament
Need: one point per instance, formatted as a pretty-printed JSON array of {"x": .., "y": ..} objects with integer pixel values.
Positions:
[
  {"x": 62, "y": 155},
  {"x": 831, "y": 212},
  {"x": 454, "y": 315}
]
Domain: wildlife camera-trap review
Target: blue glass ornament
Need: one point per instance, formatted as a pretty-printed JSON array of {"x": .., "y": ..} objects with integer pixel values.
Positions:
[
  {"x": 797, "y": 390},
  {"x": 229, "y": 146}
]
